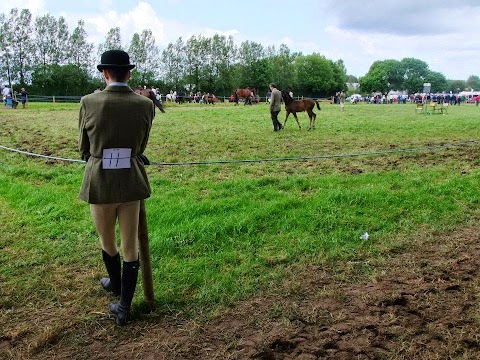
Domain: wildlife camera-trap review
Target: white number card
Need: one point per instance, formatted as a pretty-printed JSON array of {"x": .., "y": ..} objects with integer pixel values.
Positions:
[{"x": 118, "y": 158}]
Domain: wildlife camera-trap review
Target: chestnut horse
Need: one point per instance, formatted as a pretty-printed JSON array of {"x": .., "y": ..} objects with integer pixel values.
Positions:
[
  {"x": 248, "y": 94},
  {"x": 151, "y": 95},
  {"x": 294, "y": 106}
]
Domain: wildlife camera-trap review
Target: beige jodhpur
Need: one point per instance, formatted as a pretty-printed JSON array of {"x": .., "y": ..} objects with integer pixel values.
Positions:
[{"x": 105, "y": 218}]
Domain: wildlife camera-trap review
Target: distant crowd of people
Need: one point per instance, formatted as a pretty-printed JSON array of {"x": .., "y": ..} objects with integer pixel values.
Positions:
[
  {"x": 450, "y": 98},
  {"x": 181, "y": 97}
]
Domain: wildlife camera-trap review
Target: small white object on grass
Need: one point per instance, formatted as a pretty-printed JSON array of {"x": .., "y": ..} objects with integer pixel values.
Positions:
[{"x": 364, "y": 236}]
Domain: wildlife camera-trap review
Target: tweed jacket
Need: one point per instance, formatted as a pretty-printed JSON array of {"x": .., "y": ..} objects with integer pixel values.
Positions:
[
  {"x": 276, "y": 100},
  {"x": 116, "y": 117}
]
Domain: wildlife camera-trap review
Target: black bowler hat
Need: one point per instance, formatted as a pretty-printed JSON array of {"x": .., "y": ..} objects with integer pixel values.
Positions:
[{"x": 115, "y": 59}]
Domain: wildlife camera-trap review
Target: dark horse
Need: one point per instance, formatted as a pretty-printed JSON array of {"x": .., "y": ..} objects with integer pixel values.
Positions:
[
  {"x": 294, "y": 106},
  {"x": 248, "y": 94},
  {"x": 151, "y": 95}
]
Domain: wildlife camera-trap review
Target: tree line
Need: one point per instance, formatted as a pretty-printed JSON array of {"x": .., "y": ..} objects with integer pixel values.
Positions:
[
  {"x": 410, "y": 74},
  {"x": 43, "y": 56}
]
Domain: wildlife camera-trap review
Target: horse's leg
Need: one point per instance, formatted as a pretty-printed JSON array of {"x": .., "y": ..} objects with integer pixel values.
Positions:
[
  {"x": 312, "y": 117},
  {"x": 296, "y": 118},
  {"x": 286, "y": 118}
]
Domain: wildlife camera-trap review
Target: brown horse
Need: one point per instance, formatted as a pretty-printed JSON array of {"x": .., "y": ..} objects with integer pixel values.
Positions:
[
  {"x": 209, "y": 99},
  {"x": 248, "y": 94},
  {"x": 294, "y": 106},
  {"x": 151, "y": 95}
]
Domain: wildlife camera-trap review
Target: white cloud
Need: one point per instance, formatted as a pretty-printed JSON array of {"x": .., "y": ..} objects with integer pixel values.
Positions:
[
  {"x": 208, "y": 32},
  {"x": 142, "y": 17}
]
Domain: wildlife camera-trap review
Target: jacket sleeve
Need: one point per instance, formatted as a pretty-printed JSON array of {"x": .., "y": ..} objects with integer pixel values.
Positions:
[
  {"x": 83, "y": 140},
  {"x": 151, "y": 114}
]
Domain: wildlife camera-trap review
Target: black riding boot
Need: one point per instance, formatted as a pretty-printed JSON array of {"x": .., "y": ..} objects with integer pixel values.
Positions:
[
  {"x": 114, "y": 269},
  {"x": 121, "y": 309}
]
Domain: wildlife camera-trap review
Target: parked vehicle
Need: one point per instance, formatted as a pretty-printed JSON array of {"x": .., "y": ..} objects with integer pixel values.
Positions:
[{"x": 355, "y": 98}]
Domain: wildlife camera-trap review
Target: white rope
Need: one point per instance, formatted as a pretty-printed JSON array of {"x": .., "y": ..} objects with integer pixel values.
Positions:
[{"x": 301, "y": 158}]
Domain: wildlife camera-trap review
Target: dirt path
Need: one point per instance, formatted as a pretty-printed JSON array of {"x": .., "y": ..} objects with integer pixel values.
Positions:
[{"x": 417, "y": 305}]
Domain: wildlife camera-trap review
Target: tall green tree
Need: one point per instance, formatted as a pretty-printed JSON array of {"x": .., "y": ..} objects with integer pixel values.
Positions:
[
  {"x": 249, "y": 54},
  {"x": 383, "y": 76},
  {"x": 473, "y": 82},
  {"x": 208, "y": 70},
  {"x": 456, "y": 85},
  {"x": 113, "y": 41},
  {"x": 60, "y": 41},
  {"x": 145, "y": 55},
  {"x": 195, "y": 60},
  {"x": 17, "y": 34},
  {"x": 79, "y": 49},
  {"x": 283, "y": 67},
  {"x": 223, "y": 52},
  {"x": 5, "y": 52},
  {"x": 315, "y": 75},
  {"x": 415, "y": 73},
  {"x": 51, "y": 40},
  {"x": 261, "y": 75},
  {"x": 173, "y": 65},
  {"x": 438, "y": 82},
  {"x": 339, "y": 75}
]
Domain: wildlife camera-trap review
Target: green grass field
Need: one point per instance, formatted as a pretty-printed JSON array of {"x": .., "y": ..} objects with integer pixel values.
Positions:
[{"x": 223, "y": 232}]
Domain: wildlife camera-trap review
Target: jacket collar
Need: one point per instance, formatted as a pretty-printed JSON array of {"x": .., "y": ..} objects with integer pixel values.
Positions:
[{"x": 118, "y": 87}]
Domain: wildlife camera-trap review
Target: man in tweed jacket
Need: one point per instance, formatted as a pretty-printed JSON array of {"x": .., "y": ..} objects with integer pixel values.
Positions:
[
  {"x": 114, "y": 126},
  {"x": 275, "y": 107}
]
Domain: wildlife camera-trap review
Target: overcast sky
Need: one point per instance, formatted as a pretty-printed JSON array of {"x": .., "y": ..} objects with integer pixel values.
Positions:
[{"x": 444, "y": 34}]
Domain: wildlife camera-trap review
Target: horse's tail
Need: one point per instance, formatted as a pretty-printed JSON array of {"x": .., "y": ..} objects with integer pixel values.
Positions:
[
  {"x": 318, "y": 106},
  {"x": 156, "y": 102}
]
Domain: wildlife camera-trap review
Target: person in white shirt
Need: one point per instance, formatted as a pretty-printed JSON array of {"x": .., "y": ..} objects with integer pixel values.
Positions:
[{"x": 6, "y": 93}]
